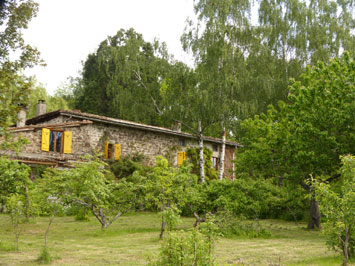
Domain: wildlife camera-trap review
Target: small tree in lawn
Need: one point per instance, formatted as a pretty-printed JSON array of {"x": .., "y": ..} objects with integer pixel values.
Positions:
[
  {"x": 338, "y": 206},
  {"x": 14, "y": 179},
  {"x": 49, "y": 195},
  {"x": 167, "y": 189},
  {"x": 16, "y": 208},
  {"x": 91, "y": 186}
]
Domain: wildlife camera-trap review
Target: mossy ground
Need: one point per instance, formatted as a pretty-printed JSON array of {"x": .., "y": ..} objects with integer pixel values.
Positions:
[{"x": 134, "y": 238}]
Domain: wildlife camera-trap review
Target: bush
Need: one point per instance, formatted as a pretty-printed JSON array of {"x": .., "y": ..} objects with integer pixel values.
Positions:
[
  {"x": 193, "y": 156},
  {"x": 44, "y": 257},
  {"x": 229, "y": 225},
  {"x": 247, "y": 198},
  {"x": 189, "y": 248}
]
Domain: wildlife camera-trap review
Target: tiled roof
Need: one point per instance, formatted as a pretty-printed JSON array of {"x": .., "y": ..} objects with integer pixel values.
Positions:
[{"x": 119, "y": 122}]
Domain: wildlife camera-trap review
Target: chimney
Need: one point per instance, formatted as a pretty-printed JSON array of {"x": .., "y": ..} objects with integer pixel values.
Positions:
[
  {"x": 177, "y": 127},
  {"x": 21, "y": 117},
  {"x": 41, "y": 107}
]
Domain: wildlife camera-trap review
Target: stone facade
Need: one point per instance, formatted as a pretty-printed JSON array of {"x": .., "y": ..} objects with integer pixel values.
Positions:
[{"x": 90, "y": 132}]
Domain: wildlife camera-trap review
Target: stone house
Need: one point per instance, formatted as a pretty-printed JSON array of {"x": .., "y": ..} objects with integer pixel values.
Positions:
[{"x": 61, "y": 137}]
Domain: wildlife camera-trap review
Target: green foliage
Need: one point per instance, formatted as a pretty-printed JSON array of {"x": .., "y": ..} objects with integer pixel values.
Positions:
[
  {"x": 307, "y": 135},
  {"x": 181, "y": 248},
  {"x": 17, "y": 209},
  {"x": 14, "y": 179},
  {"x": 166, "y": 189},
  {"x": 172, "y": 217},
  {"x": 126, "y": 166},
  {"x": 52, "y": 102},
  {"x": 338, "y": 206},
  {"x": 91, "y": 186},
  {"x": 48, "y": 194},
  {"x": 82, "y": 214},
  {"x": 15, "y": 56},
  {"x": 193, "y": 156},
  {"x": 245, "y": 197},
  {"x": 255, "y": 58},
  {"x": 124, "y": 74},
  {"x": 321, "y": 114},
  {"x": 189, "y": 248},
  {"x": 229, "y": 226},
  {"x": 38, "y": 170},
  {"x": 44, "y": 257}
]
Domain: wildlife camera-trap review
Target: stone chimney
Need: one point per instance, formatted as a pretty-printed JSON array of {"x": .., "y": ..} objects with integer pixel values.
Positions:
[
  {"x": 177, "y": 127},
  {"x": 41, "y": 107},
  {"x": 21, "y": 117}
]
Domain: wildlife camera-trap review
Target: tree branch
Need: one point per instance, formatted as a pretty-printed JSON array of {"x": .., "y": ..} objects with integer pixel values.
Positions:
[{"x": 150, "y": 95}]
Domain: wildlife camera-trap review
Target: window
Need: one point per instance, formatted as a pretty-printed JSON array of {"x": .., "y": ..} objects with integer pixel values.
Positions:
[
  {"x": 181, "y": 157},
  {"x": 181, "y": 142},
  {"x": 112, "y": 151},
  {"x": 215, "y": 162},
  {"x": 214, "y": 147},
  {"x": 56, "y": 140}
]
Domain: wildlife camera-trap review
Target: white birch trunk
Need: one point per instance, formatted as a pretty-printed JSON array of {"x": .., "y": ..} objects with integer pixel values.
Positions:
[
  {"x": 202, "y": 161},
  {"x": 223, "y": 152}
]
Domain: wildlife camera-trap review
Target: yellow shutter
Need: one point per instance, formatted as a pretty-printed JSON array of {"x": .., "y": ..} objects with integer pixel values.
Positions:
[
  {"x": 106, "y": 150},
  {"x": 185, "y": 156},
  {"x": 67, "y": 141},
  {"x": 117, "y": 151},
  {"x": 180, "y": 158},
  {"x": 45, "y": 139}
]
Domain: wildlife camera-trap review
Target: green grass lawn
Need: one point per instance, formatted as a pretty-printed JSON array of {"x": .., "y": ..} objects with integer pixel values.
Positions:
[{"x": 134, "y": 238}]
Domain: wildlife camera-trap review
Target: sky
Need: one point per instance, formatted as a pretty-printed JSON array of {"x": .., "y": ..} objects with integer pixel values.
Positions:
[{"x": 66, "y": 31}]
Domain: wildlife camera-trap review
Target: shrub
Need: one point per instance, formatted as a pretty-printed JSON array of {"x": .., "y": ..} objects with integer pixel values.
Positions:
[
  {"x": 193, "y": 156},
  {"x": 229, "y": 225},
  {"x": 189, "y": 248},
  {"x": 44, "y": 257},
  {"x": 248, "y": 198},
  {"x": 126, "y": 166}
]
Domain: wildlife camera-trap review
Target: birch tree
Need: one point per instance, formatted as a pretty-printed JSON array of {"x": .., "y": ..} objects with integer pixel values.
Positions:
[
  {"x": 214, "y": 47},
  {"x": 269, "y": 47},
  {"x": 185, "y": 100}
]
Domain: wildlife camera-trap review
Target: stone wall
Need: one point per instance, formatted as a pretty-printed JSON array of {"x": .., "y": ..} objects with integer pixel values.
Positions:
[{"x": 92, "y": 137}]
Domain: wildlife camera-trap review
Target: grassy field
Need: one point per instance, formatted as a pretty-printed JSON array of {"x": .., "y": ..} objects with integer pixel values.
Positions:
[{"x": 134, "y": 238}]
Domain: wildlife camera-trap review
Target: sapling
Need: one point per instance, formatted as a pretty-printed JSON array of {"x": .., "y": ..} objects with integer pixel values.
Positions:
[
  {"x": 17, "y": 209},
  {"x": 338, "y": 206}
]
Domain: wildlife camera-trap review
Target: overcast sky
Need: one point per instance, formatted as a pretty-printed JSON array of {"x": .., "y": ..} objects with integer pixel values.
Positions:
[{"x": 66, "y": 31}]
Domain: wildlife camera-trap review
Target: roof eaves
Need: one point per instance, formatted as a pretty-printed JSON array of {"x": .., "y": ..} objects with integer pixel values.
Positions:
[{"x": 141, "y": 126}]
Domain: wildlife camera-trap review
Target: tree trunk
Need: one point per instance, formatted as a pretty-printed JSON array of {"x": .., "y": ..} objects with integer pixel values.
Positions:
[
  {"x": 201, "y": 160},
  {"x": 223, "y": 151},
  {"x": 346, "y": 245},
  {"x": 103, "y": 219},
  {"x": 314, "y": 219},
  {"x": 198, "y": 220},
  {"x": 27, "y": 204},
  {"x": 47, "y": 231},
  {"x": 162, "y": 229},
  {"x": 17, "y": 235}
]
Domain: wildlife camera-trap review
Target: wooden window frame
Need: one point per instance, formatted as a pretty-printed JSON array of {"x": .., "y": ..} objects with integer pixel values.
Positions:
[
  {"x": 182, "y": 142},
  {"x": 55, "y": 140},
  {"x": 110, "y": 151},
  {"x": 215, "y": 162}
]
